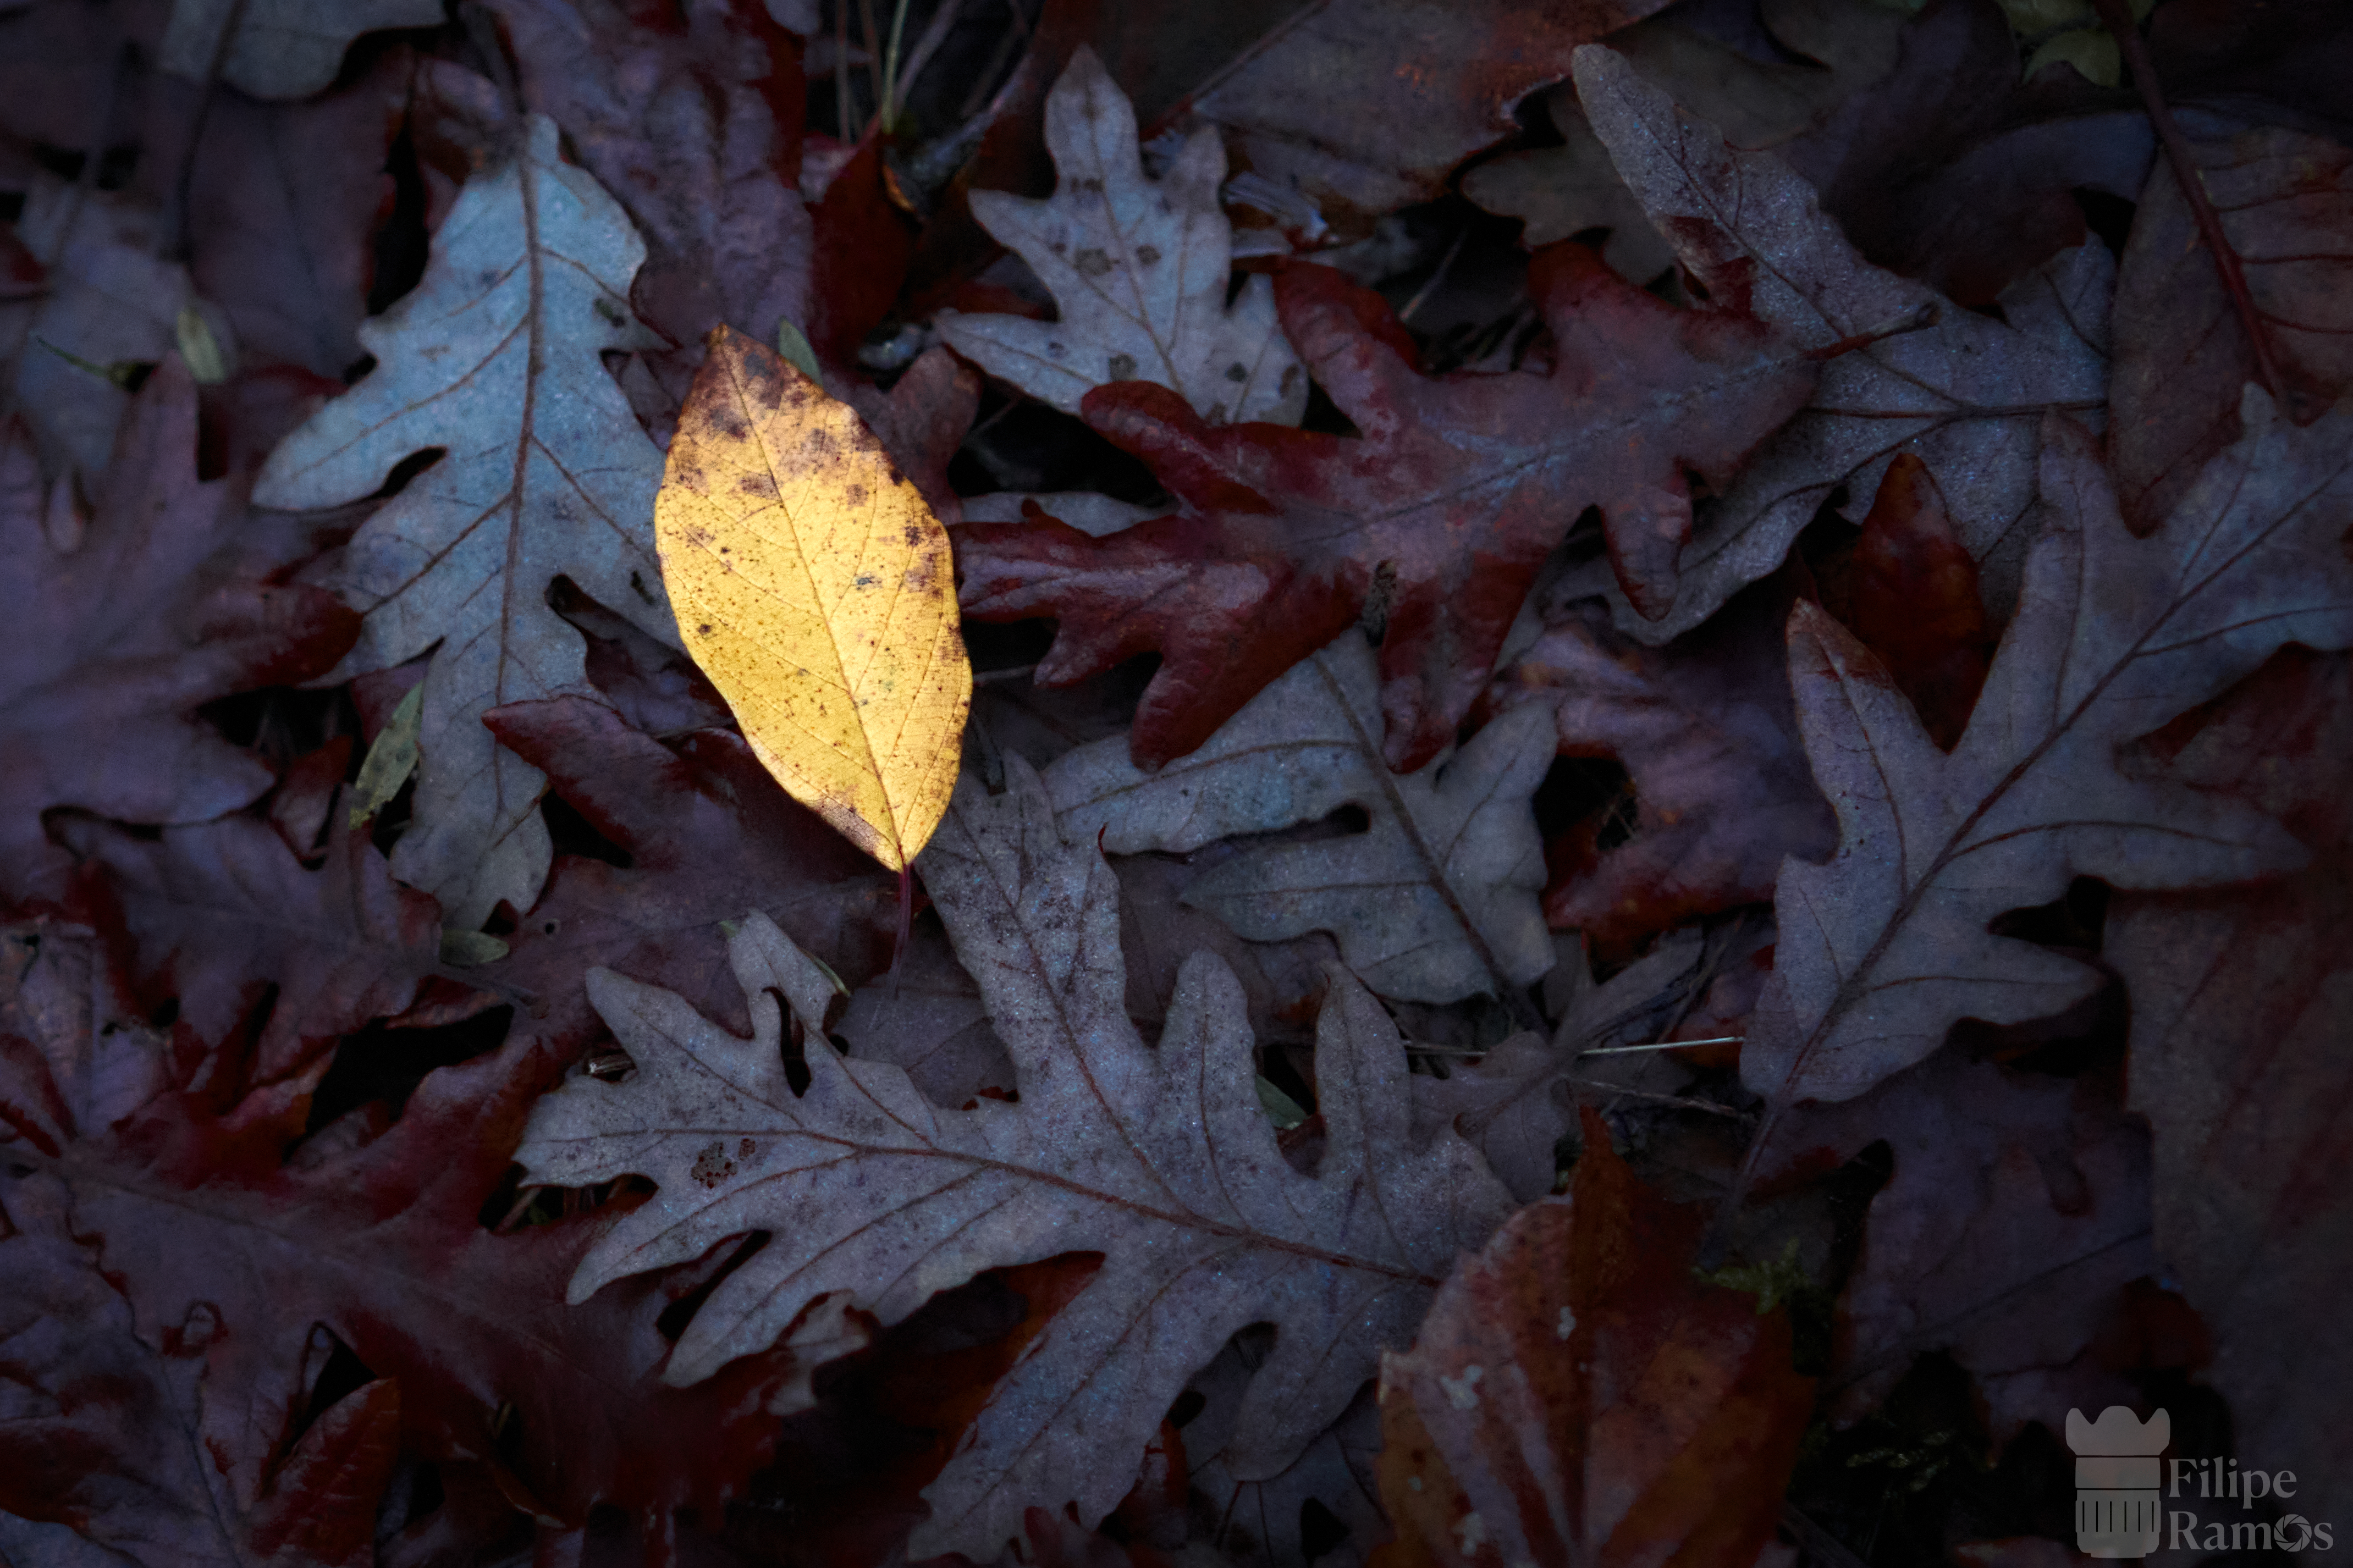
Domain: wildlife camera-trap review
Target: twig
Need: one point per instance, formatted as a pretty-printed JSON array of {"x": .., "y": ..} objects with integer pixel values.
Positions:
[
  {"x": 985, "y": 86},
  {"x": 875, "y": 71},
  {"x": 886, "y": 113},
  {"x": 1438, "y": 275},
  {"x": 1661, "y": 1046},
  {"x": 2119, "y": 21},
  {"x": 934, "y": 34}
]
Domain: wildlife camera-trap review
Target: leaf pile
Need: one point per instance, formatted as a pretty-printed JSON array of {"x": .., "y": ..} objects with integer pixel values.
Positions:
[{"x": 794, "y": 784}]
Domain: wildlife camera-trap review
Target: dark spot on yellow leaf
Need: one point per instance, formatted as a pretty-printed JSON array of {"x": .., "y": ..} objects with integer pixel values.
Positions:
[
  {"x": 853, "y": 494},
  {"x": 705, "y": 628},
  {"x": 759, "y": 485}
]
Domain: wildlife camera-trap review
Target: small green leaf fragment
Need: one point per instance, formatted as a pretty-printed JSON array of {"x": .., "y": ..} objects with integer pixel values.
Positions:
[
  {"x": 794, "y": 345},
  {"x": 1280, "y": 1108},
  {"x": 467, "y": 948},
  {"x": 390, "y": 760},
  {"x": 199, "y": 348}
]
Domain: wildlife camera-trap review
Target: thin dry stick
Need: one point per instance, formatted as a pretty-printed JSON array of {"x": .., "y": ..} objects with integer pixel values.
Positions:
[
  {"x": 886, "y": 114},
  {"x": 934, "y": 34},
  {"x": 1661, "y": 1046},
  {"x": 2119, "y": 21},
  {"x": 882, "y": 83}
]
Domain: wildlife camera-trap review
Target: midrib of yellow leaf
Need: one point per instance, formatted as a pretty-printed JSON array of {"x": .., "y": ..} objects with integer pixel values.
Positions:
[{"x": 813, "y": 586}]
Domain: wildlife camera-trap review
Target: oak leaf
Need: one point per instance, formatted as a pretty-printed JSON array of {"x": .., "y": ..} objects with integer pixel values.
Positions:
[
  {"x": 280, "y": 48},
  {"x": 1964, "y": 392},
  {"x": 1577, "y": 1396},
  {"x": 1161, "y": 1160},
  {"x": 1138, "y": 268},
  {"x": 1434, "y": 901},
  {"x": 1441, "y": 512},
  {"x": 813, "y": 585},
  {"x": 110, "y": 640},
  {"x": 493, "y": 360},
  {"x": 1887, "y": 944}
]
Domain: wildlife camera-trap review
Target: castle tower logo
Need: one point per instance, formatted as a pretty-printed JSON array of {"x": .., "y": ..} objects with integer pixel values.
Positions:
[{"x": 2119, "y": 1510}]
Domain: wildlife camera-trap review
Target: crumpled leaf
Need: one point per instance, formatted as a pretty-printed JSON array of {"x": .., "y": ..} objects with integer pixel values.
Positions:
[
  {"x": 2017, "y": 1211},
  {"x": 282, "y": 48},
  {"x": 493, "y": 358},
  {"x": 2285, "y": 200},
  {"x": 814, "y": 586},
  {"x": 707, "y": 835},
  {"x": 1438, "y": 516},
  {"x": 1885, "y": 945},
  {"x": 1436, "y": 900},
  {"x": 1138, "y": 268},
  {"x": 215, "y": 1198},
  {"x": 1709, "y": 741},
  {"x": 2238, "y": 1061},
  {"x": 1366, "y": 106},
  {"x": 1962, "y": 391},
  {"x": 1159, "y": 1159},
  {"x": 1577, "y": 1396},
  {"x": 111, "y": 641},
  {"x": 218, "y": 912},
  {"x": 129, "y": 1441},
  {"x": 1563, "y": 191}
]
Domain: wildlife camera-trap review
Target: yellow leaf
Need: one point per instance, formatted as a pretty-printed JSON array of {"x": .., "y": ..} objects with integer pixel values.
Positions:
[{"x": 814, "y": 586}]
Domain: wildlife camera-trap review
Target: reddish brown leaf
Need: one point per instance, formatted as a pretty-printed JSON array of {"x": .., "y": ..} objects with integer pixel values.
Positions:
[
  {"x": 1913, "y": 600},
  {"x": 1575, "y": 1397},
  {"x": 1709, "y": 741},
  {"x": 2285, "y": 199},
  {"x": 860, "y": 246},
  {"x": 709, "y": 837},
  {"x": 1444, "y": 508},
  {"x": 2240, "y": 1002},
  {"x": 110, "y": 642}
]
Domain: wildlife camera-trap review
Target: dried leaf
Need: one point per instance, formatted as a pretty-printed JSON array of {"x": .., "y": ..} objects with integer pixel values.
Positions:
[
  {"x": 2238, "y": 1061},
  {"x": 110, "y": 642},
  {"x": 494, "y": 359},
  {"x": 1886, "y": 945},
  {"x": 814, "y": 586},
  {"x": 282, "y": 48},
  {"x": 1138, "y": 268},
  {"x": 1963, "y": 391},
  {"x": 1915, "y": 600},
  {"x": 1437, "y": 517},
  {"x": 1577, "y": 1397},
  {"x": 1160, "y": 1160},
  {"x": 1434, "y": 901}
]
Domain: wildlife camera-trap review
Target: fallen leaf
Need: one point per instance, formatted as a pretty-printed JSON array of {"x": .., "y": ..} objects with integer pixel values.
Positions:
[
  {"x": 707, "y": 834},
  {"x": 149, "y": 1450},
  {"x": 1963, "y": 391},
  {"x": 1260, "y": 1520},
  {"x": 1914, "y": 601},
  {"x": 1577, "y": 1396},
  {"x": 1440, "y": 514},
  {"x": 1708, "y": 739},
  {"x": 1161, "y": 1160},
  {"x": 814, "y": 586},
  {"x": 1435, "y": 901},
  {"x": 2285, "y": 200},
  {"x": 1138, "y": 268},
  {"x": 110, "y": 642},
  {"x": 221, "y": 916},
  {"x": 1366, "y": 106},
  {"x": 2238, "y": 1061},
  {"x": 376, "y": 1233},
  {"x": 1887, "y": 944},
  {"x": 280, "y": 49},
  {"x": 492, "y": 360},
  {"x": 927, "y": 1017}
]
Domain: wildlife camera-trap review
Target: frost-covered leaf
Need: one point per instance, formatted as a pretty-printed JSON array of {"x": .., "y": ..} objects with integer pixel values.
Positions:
[
  {"x": 1159, "y": 1159},
  {"x": 1436, "y": 900},
  {"x": 1887, "y": 944},
  {"x": 282, "y": 48},
  {"x": 1960, "y": 390},
  {"x": 1138, "y": 268},
  {"x": 493, "y": 360}
]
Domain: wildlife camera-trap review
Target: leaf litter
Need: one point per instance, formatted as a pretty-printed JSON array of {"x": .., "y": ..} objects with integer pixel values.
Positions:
[{"x": 1908, "y": 703}]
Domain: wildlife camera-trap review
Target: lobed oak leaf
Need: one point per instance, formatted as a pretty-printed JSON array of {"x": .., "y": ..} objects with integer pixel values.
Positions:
[
  {"x": 1138, "y": 268},
  {"x": 2284, "y": 198},
  {"x": 1577, "y": 1396},
  {"x": 213, "y": 1201},
  {"x": 492, "y": 361},
  {"x": 219, "y": 912},
  {"x": 1265, "y": 1521},
  {"x": 278, "y": 48},
  {"x": 1434, "y": 901},
  {"x": 1886, "y": 945},
  {"x": 110, "y": 640},
  {"x": 1962, "y": 391},
  {"x": 2238, "y": 1062},
  {"x": 1436, "y": 517},
  {"x": 707, "y": 835},
  {"x": 1160, "y": 1160}
]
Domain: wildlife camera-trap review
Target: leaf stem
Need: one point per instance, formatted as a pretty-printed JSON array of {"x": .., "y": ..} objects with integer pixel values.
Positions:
[
  {"x": 2118, "y": 17},
  {"x": 887, "y": 115}
]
